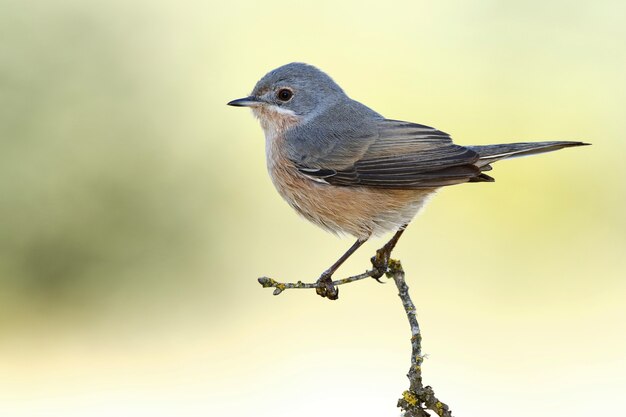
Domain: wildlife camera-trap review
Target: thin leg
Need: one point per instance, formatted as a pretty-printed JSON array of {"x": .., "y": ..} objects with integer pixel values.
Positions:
[
  {"x": 381, "y": 260},
  {"x": 326, "y": 287}
]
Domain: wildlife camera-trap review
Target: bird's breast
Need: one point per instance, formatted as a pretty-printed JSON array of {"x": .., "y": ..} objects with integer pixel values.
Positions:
[{"x": 358, "y": 211}]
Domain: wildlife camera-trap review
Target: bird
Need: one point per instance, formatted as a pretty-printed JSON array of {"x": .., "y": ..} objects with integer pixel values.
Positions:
[{"x": 351, "y": 171}]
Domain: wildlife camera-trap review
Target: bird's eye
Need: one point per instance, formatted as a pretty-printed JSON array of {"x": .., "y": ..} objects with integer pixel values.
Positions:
[{"x": 284, "y": 94}]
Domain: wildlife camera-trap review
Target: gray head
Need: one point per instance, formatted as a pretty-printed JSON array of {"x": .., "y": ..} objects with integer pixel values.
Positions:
[{"x": 295, "y": 89}]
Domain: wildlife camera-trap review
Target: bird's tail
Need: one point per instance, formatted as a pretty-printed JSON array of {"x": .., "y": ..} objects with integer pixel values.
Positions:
[{"x": 492, "y": 153}]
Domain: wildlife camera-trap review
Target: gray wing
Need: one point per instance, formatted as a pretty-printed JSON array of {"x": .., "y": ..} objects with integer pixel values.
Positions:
[{"x": 396, "y": 155}]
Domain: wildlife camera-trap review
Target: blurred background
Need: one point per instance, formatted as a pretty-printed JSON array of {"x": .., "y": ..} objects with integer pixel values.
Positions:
[{"x": 136, "y": 212}]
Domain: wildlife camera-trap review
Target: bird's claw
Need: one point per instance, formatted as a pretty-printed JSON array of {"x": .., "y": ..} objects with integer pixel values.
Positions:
[
  {"x": 325, "y": 288},
  {"x": 380, "y": 262}
]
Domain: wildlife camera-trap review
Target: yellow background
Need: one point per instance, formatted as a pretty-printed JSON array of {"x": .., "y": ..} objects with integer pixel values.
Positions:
[{"x": 136, "y": 212}]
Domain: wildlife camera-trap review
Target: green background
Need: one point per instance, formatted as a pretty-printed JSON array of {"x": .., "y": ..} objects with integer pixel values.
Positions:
[{"x": 136, "y": 211}]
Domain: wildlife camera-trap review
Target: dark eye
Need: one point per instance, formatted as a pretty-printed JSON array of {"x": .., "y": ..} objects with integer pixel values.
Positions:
[{"x": 284, "y": 94}]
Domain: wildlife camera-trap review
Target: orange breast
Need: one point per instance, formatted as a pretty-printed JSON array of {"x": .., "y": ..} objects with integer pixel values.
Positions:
[{"x": 358, "y": 211}]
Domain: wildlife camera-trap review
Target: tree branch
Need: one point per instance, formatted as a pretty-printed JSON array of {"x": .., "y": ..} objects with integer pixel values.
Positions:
[
  {"x": 267, "y": 282},
  {"x": 418, "y": 398}
]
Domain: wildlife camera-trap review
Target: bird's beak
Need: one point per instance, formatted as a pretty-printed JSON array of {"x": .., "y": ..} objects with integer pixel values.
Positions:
[{"x": 249, "y": 101}]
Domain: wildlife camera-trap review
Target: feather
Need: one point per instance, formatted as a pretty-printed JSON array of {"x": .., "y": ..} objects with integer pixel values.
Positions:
[
  {"x": 393, "y": 154},
  {"x": 401, "y": 155},
  {"x": 492, "y": 153}
]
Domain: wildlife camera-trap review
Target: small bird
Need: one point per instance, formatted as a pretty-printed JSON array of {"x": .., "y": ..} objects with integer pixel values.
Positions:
[{"x": 349, "y": 170}]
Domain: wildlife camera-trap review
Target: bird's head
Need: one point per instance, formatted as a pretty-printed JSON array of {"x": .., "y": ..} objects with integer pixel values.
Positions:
[{"x": 291, "y": 94}]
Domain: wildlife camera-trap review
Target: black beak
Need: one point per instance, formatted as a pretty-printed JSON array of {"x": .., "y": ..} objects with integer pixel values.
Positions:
[{"x": 249, "y": 101}]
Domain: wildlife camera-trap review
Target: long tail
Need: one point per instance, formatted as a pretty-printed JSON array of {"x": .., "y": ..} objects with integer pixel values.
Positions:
[
  {"x": 489, "y": 154},
  {"x": 492, "y": 153}
]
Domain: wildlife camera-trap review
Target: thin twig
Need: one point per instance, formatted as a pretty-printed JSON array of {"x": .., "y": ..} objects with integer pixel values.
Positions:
[
  {"x": 418, "y": 398},
  {"x": 267, "y": 282}
]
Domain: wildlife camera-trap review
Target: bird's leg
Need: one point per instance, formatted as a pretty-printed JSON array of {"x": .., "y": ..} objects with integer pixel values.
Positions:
[
  {"x": 325, "y": 286},
  {"x": 381, "y": 260}
]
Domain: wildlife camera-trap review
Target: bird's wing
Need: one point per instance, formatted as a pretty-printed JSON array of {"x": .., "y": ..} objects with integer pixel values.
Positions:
[{"x": 400, "y": 155}]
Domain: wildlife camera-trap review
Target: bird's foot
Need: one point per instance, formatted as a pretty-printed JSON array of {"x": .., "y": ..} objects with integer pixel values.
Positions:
[
  {"x": 380, "y": 263},
  {"x": 325, "y": 287}
]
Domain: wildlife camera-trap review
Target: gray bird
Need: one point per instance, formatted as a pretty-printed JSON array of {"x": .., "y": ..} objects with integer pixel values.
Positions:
[{"x": 351, "y": 171}]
